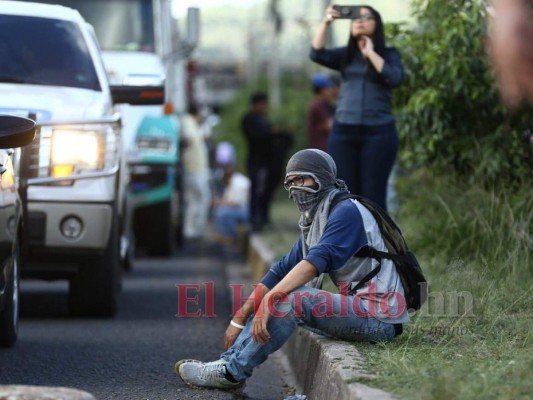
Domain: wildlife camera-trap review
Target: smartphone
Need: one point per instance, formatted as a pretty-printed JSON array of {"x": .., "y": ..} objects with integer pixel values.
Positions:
[{"x": 349, "y": 12}]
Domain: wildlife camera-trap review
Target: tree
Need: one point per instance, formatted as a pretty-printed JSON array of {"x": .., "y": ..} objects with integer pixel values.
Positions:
[{"x": 449, "y": 112}]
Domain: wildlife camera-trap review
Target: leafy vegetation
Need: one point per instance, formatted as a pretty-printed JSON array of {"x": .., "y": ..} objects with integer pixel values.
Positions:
[
  {"x": 296, "y": 94},
  {"x": 449, "y": 113}
]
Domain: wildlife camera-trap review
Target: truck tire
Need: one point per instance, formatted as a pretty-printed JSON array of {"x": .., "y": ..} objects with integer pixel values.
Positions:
[
  {"x": 127, "y": 262},
  {"x": 9, "y": 316},
  {"x": 160, "y": 241},
  {"x": 94, "y": 290},
  {"x": 180, "y": 212},
  {"x": 126, "y": 246}
]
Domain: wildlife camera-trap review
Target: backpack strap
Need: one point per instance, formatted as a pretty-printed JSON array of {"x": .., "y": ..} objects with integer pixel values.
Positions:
[
  {"x": 341, "y": 196},
  {"x": 366, "y": 251},
  {"x": 370, "y": 252},
  {"x": 366, "y": 279}
]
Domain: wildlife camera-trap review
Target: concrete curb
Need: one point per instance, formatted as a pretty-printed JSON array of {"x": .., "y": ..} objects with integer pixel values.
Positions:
[
  {"x": 23, "y": 392},
  {"x": 323, "y": 368},
  {"x": 327, "y": 369},
  {"x": 260, "y": 257}
]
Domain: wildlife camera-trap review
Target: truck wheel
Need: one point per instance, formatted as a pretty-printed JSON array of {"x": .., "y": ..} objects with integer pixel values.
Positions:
[
  {"x": 160, "y": 242},
  {"x": 94, "y": 290},
  {"x": 9, "y": 316}
]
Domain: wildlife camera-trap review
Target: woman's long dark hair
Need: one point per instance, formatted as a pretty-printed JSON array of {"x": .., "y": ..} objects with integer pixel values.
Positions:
[{"x": 352, "y": 49}]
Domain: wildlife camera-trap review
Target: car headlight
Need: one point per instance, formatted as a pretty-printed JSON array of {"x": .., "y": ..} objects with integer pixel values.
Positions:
[{"x": 74, "y": 151}]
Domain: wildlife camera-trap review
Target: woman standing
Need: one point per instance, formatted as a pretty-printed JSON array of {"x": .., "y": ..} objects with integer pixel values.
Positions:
[{"x": 363, "y": 139}]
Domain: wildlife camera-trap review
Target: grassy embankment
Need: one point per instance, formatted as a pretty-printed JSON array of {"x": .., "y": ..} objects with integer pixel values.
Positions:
[{"x": 475, "y": 338}]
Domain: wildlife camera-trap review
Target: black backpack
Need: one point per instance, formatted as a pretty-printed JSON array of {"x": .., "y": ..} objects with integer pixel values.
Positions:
[{"x": 413, "y": 280}]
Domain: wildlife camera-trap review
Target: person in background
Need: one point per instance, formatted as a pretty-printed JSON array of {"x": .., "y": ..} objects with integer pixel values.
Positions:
[
  {"x": 231, "y": 208},
  {"x": 363, "y": 140},
  {"x": 510, "y": 50},
  {"x": 332, "y": 105},
  {"x": 259, "y": 134},
  {"x": 197, "y": 192},
  {"x": 319, "y": 115},
  {"x": 282, "y": 143}
]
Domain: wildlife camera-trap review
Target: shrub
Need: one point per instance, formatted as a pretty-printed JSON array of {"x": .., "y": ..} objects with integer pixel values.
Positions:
[{"x": 449, "y": 114}]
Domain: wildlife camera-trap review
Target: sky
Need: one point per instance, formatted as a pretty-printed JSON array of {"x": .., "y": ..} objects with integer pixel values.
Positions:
[
  {"x": 179, "y": 7},
  {"x": 230, "y": 28}
]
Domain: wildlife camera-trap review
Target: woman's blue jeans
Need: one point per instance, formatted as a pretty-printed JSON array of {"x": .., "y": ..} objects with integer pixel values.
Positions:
[
  {"x": 364, "y": 156},
  {"x": 322, "y": 312}
]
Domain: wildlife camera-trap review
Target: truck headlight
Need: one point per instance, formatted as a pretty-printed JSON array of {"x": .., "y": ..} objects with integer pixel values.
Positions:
[{"x": 74, "y": 151}]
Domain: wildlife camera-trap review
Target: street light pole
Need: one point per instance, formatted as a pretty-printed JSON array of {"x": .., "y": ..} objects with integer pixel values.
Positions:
[{"x": 274, "y": 64}]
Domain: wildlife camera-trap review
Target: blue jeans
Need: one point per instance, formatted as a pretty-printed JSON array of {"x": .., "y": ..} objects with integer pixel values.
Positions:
[
  {"x": 364, "y": 156},
  {"x": 227, "y": 218},
  {"x": 306, "y": 307}
]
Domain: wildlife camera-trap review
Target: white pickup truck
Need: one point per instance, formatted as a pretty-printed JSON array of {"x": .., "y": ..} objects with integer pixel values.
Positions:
[{"x": 71, "y": 178}]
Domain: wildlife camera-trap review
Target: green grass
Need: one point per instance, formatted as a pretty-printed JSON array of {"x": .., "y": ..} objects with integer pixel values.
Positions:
[
  {"x": 476, "y": 246},
  {"x": 477, "y": 242}
]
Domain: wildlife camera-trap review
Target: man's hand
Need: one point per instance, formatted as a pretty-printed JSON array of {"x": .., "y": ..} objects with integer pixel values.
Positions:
[
  {"x": 232, "y": 333},
  {"x": 259, "y": 323}
]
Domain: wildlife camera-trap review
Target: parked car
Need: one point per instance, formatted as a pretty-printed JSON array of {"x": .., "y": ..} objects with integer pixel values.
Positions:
[
  {"x": 73, "y": 183},
  {"x": 14, "y": 132}
]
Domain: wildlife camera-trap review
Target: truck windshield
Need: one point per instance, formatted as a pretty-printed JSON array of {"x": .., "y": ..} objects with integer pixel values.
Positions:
[
  {"x": 45, "y": 51},
  {"x": 119, "y": 24}
]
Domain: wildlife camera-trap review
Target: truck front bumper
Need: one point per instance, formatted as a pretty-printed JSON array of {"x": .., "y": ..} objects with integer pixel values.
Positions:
[{"x": 56, "y": 225}]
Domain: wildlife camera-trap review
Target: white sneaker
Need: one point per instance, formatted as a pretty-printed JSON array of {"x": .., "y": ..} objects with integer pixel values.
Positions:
[{"x": 210, "y": 375}]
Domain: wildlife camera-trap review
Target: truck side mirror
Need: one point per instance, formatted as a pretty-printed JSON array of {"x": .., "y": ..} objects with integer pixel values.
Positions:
[
  {"x": 138, "y": 95},
  {"x": 16, "y": 131}
]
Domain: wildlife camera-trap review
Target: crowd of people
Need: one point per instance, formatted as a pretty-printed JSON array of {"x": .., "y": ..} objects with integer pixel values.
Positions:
[
  {"x": 213, "y": 189},
  {"x": 349, "y": 117},
  {"x": 212, "y": 185}
]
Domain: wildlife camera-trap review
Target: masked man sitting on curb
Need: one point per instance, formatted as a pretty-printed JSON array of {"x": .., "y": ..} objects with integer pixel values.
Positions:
[{"x": 288, "y": 295}]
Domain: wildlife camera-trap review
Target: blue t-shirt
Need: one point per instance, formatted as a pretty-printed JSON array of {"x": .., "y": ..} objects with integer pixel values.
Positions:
[{"x": 343, "y": 236}]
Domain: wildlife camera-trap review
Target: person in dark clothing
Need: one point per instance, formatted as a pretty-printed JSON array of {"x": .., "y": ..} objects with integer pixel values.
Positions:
[
  {"x": 319, "y": 113},
  {"x": 363, "y": 140},
  {"x": 282, "y": 142},
  {"x": 290, "y": 294},
  {"x": 260, "y": 134}
]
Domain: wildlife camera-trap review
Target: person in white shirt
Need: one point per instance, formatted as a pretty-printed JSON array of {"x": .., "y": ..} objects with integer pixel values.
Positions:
[
  {"x": 231, "y": 209},
  {"x": 197, "y": 191}
]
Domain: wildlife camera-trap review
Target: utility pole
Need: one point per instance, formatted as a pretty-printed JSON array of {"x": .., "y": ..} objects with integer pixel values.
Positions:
[
  {"x": 274, "y": 64},
  {"x": 329, "y": 35},
  {"x": 253, "y": 54}
]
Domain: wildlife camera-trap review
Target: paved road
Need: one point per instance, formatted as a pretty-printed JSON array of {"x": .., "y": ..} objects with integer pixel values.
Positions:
[{"x": 131, "y": 356}]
